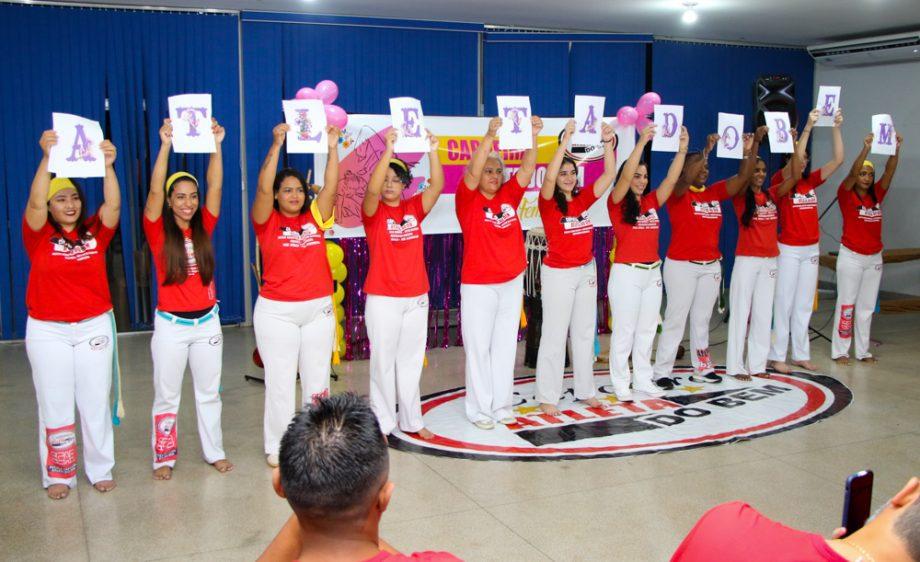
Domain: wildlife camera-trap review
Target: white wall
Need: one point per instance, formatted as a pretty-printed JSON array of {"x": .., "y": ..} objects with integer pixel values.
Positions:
[{"x": 894, "y": 89}]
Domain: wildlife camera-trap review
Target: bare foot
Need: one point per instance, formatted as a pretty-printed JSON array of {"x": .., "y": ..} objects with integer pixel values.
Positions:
[
  {"x": 425, "y": 434},
  {"x": 223, "y": 465},
  {"x": 807, "y": 365},
  {"x": 550, "y": 409},
  {"x": 163, "y": 473},
  {"x": 763, "y": 375},
  {"x": 742, "y": 378},
  {"x": 780, "y": 367},
  {"x": 843, "y": 360},
  {"x": 593, "y": 403},
  {"x": 58, "y": 491},
  {"x": 104, "y": 486},
  {"x": 869, "y": 359}
]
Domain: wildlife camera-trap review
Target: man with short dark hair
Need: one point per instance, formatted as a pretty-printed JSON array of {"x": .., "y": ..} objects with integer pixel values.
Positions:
[
  {"x": 737, "y": 532},
  {"x": 333, "y": 470}
]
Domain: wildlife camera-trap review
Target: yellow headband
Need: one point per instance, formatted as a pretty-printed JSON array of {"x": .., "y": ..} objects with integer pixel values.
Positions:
[
  {"x": 868, "y": 164},
  {"x": 178, "y": 176},
  {"x": 59, "y": 184},
  {"x": 399, "y": 163}
]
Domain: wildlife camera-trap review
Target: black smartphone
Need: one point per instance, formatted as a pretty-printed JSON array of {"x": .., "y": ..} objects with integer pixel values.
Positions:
[{"x": 857, "y": 501}]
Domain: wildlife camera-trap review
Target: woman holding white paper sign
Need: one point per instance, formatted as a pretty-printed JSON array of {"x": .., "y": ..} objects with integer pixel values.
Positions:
[
  {"x": 186, "y": 328},
  {"x": 293, "y": 318},
  {"x": 491, "y": 280},
  {"x": 797, "y": 265},
  {"x": 568, "y": 273},
  {"x": 859, "y": 264},
  {"x": 70, "y": 330},
  {"x": 693, "y": 268},
  {"x": 396, "y": 312},
  {"x": 634, "y": 286}
]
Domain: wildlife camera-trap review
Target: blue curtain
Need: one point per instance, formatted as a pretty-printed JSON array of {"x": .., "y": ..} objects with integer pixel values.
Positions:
[
  {"x": 527, "y": 68},
  {"x": 707, "y": 79}
]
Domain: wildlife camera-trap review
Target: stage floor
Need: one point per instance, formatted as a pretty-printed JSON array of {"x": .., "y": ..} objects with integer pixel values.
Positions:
[{"x": 622, "y": 508}]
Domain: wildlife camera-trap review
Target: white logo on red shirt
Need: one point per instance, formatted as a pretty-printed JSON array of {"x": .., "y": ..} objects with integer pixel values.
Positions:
[
  {"x": 308, "y": 235},
  {"x": 804, "y": 201},
  {"x": 192, "y": 263},
  {"x": 707, "y": 209},
  {"x": 406, "y": 230},
  {"x": 765, "y": 212},
  {"x": 647, "y": 220},
  {"x": 869, "y": 214},
  {"x": 74, "y": 250},
  {"x": 504, "y": 218},
  {"x": 577, "y": 225}
]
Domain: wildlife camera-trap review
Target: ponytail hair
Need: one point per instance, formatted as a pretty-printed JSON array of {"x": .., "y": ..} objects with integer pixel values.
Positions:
[{"x": 174, "y": 248}]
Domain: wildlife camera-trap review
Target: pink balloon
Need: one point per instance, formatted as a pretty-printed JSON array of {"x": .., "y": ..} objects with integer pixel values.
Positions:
[
  {"x": 642, "y": 122},
  {"x": 307, "y": 94},
  {"x": 336, "y": 116},
  {"x": 328, "y": 91},
  {"x": 650, "y": 97},
  {"x": 645, "y": 108},
  {"x": 627, "y": 115}
]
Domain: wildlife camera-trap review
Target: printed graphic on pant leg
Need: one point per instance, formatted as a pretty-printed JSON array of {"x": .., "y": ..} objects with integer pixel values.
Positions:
[
  {"x": 98, "y": 343},
  {"x": 166, "y": 447},
  {"x": 62, "y": 452},
  {"x": 705, "y": 360},
  {"x": 845, "y": 324}
]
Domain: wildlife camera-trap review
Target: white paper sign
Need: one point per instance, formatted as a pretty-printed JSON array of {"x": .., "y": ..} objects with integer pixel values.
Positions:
[
  {"x": 191, "y": 123},
  {"x": 828, "y": 102},
  {"x": 669, "y": 119},
  {"x": 626, "y": 140},
  {"x": 516, "y": 132},
  {"x": 409, "y": 122},
  {"x": 77, "y": 153},
  {"x": 307, "y": 120},
  {"x": 589, "y": 118},
  {"x": 886, "y": 139},
  {"x": 731, "y": 136},
  {"x": 779, "y": 135}
]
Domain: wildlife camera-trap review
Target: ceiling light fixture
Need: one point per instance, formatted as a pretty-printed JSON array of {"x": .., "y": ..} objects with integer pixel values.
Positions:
[{"x": 689, "y": 16}]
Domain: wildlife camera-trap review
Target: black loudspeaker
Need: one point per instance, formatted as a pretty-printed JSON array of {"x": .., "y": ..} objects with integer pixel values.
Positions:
[{"x": 775, "y": 93}]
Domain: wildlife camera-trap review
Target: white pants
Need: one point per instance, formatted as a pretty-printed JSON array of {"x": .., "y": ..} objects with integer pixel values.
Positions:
[
  {"x": 796, "y": 283},
  {"x": 750, "y": 297},
  {"x": 569, "y": 298},
  {"x": 292, "y": 337},
  {"x": 490, "y": 316},
  {"x": 72, "y": 363},
  {"x": 692, "y": 289},
  {"x": 635, "y": 302},
  {"x": 858, "y": 280},
  {"x": 173, "y": 346},
  {"x": 397, "y": 328}
]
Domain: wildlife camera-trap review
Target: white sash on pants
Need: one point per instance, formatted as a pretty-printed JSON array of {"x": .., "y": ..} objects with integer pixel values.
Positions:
[
  {"x": 796, "y": 283},
  {"x": 293, "y": 337},
  {"x": 750, "y": 297},
  {"x": 490, "y": 317},
  {"x": 858, "y": 280},
  {"x": 569, "y": 297},
  {"x": 397, "y": 328},
  {"x": 72, "y": 364},
  {"x": 635, "y": 301}
]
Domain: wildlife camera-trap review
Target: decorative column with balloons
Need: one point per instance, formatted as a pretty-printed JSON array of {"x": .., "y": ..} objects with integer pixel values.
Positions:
[{"x": 336, "y": 255}]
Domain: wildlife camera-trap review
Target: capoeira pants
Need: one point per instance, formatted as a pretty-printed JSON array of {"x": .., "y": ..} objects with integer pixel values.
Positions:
[
  {"x": 176, "y": 342},
  {"x": 397, "y": 328},
  {"x": 796, "y": 283},
  {"x": 750, "y": 297},
  {"x": 693, "y": 288},
  {"x": 569, "y": 308},
  {"x": 858, "y": 280},
  {"x": 72, "y": 363},
  {"x": 490, "y": 317},
  {"x": 292, "y": 337},
  {"x": 635, "y": 301}
]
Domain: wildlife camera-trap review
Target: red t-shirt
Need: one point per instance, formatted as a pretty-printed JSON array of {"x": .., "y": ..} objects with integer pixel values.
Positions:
[
  {"x": 67, "y": 281},
  {"x": 570, "y": 238},
  {"x": 798, "y": 210},
  {"x": 191, "y": 294},
  {"x": 696, "y": 218},
  {"x": 735, "y": 531},
  {"x": 862, "y": 220},
  {"x": 493, "y": 242},
  {"x": 426, "y": 556},
  {"x": 294, "y": 263},
  {"x": 636, "y": 243},
  {"x": 397, "y": 249},
  {"x": 758, "y": 239}
]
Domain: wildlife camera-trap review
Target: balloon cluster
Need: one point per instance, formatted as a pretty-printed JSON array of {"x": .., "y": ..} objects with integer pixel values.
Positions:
[
  {"x": 327, "y": 91},
  {"x": 641, "y": 115},
  {"x": 335, "y": 255}
]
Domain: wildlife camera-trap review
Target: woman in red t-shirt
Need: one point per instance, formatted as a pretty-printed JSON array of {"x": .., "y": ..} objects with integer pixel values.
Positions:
[
  {"x": 634, "y": 285},
  {"x": 396, "y": 312},
  {"x": 568, "y": 273},
  {"x": 491, "y": 280},
  {"x": 186, "y": 327},
  {"x": 293, "y": 318},
  {"x": 754, "y": 274},
  {"x": 70, "y": 330},
  {"x": 859, "y": 264},
  {"x": 693, "y": 268}
]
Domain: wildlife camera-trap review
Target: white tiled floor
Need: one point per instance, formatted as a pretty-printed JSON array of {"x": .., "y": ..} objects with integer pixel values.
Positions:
[{"x": 635, "y": 508}]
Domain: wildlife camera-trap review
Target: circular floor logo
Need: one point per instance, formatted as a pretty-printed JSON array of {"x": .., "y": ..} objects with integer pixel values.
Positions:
[{"x": 691, "y": 415}]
